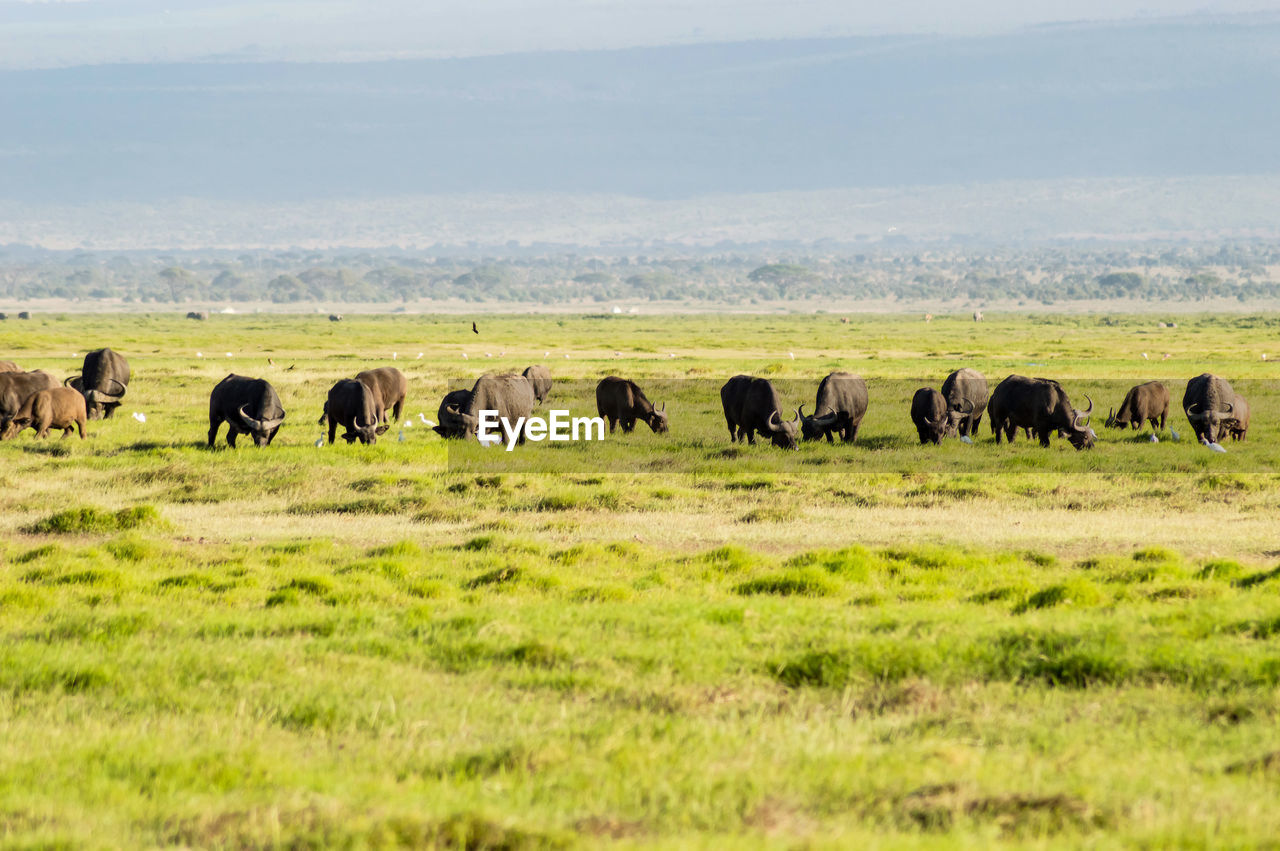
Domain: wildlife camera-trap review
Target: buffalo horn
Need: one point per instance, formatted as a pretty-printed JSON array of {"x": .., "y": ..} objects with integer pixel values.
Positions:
[{"x": 259, "y": 426}]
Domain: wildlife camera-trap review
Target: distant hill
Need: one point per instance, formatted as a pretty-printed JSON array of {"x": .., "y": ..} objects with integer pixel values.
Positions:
[{"x": 1177, "y": 99}]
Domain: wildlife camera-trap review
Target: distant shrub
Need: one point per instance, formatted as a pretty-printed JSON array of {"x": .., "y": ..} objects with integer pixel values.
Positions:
[{"x": 792, "y": 583}]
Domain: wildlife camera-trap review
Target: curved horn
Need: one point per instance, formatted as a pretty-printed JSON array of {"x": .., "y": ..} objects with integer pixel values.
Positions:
[
  {"x": 1230, "y": 408},
  {"x": 1191, "y": 408},
  {"x": 119, "y": 384},
  {"x": 1088, "y": 410},
  {"x": 773, "y": 415},
  {"x": 663, "y": 407},
  {"x": 453, "y": 410},
  {"x": 797, "y": 419},
  {"x": 969, "y": 410},
  {"x": 801, "y": 410},
  {"x": 256, "y": 424},
  {"x": 70, "y": 378}
]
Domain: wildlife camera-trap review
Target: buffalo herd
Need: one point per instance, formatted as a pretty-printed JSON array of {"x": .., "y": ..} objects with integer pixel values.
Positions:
[{"x": 366, "y": 405}]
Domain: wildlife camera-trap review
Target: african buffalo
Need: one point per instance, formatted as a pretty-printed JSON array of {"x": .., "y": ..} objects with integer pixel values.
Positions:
[
  {"x": 9, "y": 366},
  {"x": 1039, "y": 404},
  {"x": 335, "y": 317},
  {"x": 248, "y": 406},
  {"x": 965, "y": 392},
  {"x": 451, "y": 425},
  {"x": 353, "y": 405},
  {"x": 751, "y": 405},
  {"x": 389, "y": 388},
  {"x": 929, "y": 413},
  {"x": 1240, "y": 407},
  {"x": 57, "y": 407},
  {"x": 540, "y": 380},
  {"x": 103, "y": 379},
  {"x": 622, "y": 400},
  {"x": 200, "y": 315},
  {"x": 17, "y": 387},
  {"x": 841, "y": 404},
  {"x": 511, "y": 396},
  {"x": 1209, "y": 404},
  {"x": 1143, "y": 403}
]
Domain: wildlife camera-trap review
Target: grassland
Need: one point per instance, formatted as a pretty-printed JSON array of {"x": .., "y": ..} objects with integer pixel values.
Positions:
[{"x": 661, "y": 641}]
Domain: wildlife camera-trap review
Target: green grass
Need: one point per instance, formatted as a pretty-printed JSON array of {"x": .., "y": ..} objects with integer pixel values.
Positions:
[{"x": 666, "y": 642}]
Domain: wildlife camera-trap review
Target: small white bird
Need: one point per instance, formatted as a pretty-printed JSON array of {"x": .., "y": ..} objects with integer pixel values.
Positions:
[
  {"x": 546, "y": 354},
  {"x": 793, "y": 355},
  {"x": 1264, "y": 355},
  {"x": 566, "y": 357},
  {"x": 488, "y": 354},
  {"x": 1153, "y": 439},
  {"x": 502, "y": 354},
  {"x": 1144, "y": 356},
  {"x": 393, "y": 355},
  {"x": 488, "y": 440},
  {"x": 419, "y": 357},
  {"x": 671, "y": 355},
  {"x": 464, "y": 355},
  {"x": 430, "y": 423},
  {"x": 199, "y": 355},
  {"x": 228, "y": 354},
  {"x": 408, "y": 423},
  {"x": 1176, "y": 437},
  {"x": 423, "y": 418},
  {"x": 402, "y": 435},
  {"x": 140, "y": 417},
  {"x": 1217, "y": 447},
  {"x": 319, "y": 441},
  {"x": 964, "y": 438}
]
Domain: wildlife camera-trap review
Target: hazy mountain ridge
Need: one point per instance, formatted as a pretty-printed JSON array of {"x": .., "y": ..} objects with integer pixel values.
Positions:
[{"x": 1158, "y": 99}]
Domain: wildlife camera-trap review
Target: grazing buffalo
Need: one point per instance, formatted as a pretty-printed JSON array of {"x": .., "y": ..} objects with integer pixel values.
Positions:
[
  {"x": 622, "y": 400},
  {"x": 751, "y": 405},
  {"x": 26, "y": 314},
  {"x": 1239, "y": 429},
  {"x": 9, "y": 366},
  {"x": 1209, "y": 404},
  {"x": 929, "y": 413},
  {"x": 1144, "y": 403},
  {"x": 248, "y": 406},
  {"x": 57, "y": 407},
  {"x": 16, "y": 388},
  {"x": 353, "y": 405},
  {"x": 965, "y": 392},
  {"x": 451, "y": 424},
  {"x": 389, "y": 388},
  {"x": 511, "y": 396},
  {"x": 840, "y": 407},
  {"x": 1041, "y": 405},
  {"x": 200, "y": 315},
  {"x": 103, "y": 379},
  {"x": 335, "y": 317},
  {"x": 540, "y": 380}
]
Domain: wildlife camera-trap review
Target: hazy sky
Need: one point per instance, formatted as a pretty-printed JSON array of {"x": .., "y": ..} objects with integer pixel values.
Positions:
[{"x": 51, "y": 33}]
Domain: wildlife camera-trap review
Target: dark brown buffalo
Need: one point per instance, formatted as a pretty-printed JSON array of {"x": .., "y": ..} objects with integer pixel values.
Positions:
[
  {"x": 1240, "y": 428},
  {"x": 449, "y": 422},
  {"x": 1209, "y": 405},
  {"x": 389, "y": 388},
  {"x": 929, "y": 413},
  {"x": 511, "y": 396},
  {"x": 752, "y": 405},
  {"x": 1039, "y": 404},
  {"x": 248, "y": 406},
  {"x": 9, "y": 366},
  {"x": 57, "y": 407},
  {"x": 965, "y": 392},
  {"x": 103, "y": 379},
  {"x": 540, "y": 380},
  {"x": 839, "y": 408},
  {"x": 353, "y": 405},
  {"x": 1144, "y": 403},
  {"x": 620, "y": 400},
  {"x": 17, "y": 387}
]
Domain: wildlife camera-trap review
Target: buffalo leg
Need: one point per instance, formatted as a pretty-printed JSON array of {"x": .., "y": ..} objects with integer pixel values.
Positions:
[
  {"x": 399, "y": 406},
  {"x": 628, "y": 425},
  {"x": 853, "y": 434},
  {"x": 733, "y": 430},
  {"x": 231, "y": 435},
  {"x": 613, "y": 424},
  {"x": 1044, "y": 436},
  {"x": 333, "y": 430},
  {"x": 830, "y": 437},
  {"x": 213, "y": 430},
  {"x": 272, "y": 435},
  {"x": 80, "y": 425}
]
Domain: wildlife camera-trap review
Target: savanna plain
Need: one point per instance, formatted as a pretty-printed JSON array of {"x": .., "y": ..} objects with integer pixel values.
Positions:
[{"x": 654, "y": 641}]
